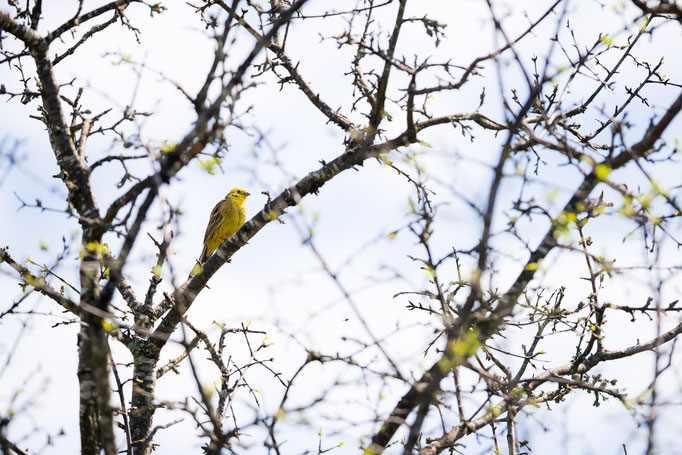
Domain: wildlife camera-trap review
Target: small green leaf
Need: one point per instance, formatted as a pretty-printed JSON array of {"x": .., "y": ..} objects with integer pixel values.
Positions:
[
  {"x": 385, "y": 160},
  {"x": 209, "y": 164},
  {"x": 602, "y": 171},
  {"x": 168, "y": 147}
]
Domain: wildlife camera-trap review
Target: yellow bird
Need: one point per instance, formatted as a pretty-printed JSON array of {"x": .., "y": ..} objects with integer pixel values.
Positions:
[{"x": 226, "y": 218}]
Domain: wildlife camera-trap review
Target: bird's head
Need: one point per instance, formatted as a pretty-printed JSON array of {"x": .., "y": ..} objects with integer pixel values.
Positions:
[{"x": 238, "y": 195}]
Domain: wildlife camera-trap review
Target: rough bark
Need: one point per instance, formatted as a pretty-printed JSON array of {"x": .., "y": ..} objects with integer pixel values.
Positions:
[{"x": 142, "y": 409}]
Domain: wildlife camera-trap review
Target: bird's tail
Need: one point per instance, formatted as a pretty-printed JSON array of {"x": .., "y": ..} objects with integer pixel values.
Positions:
[{"x": 204, "y": 255}]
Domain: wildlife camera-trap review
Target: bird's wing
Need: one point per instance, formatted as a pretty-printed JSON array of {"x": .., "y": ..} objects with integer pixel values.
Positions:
[
  {"x": 213, "y": 224},
  {"x": 214, "y": 221}
]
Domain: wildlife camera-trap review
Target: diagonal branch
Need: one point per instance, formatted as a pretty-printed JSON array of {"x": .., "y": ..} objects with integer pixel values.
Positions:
[
  {"x": 185, "y": 295},
  {"x": 333, "y": 116},
  {"x": 38, "y": 283},
  {"x": 488, "y": 326},
  {"x": 378, "y": 109},
  {"x": 590, "y": 181},
  {"x": 663, "y": 7},
  {"x": 73, "y": 22},
  {"x": 29, "y": 36}
]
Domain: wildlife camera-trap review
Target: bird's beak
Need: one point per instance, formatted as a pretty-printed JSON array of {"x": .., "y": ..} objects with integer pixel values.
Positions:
[{"x": 247, "y": 193}]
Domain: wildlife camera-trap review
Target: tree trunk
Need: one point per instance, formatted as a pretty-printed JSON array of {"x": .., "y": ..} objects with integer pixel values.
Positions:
[
  {"x": 96, "y": 414},
  {"x": 146, "y": 356}
]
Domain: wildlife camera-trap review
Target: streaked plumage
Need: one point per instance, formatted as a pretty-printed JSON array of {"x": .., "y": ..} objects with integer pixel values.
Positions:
[{"x": 226, "y": 218}]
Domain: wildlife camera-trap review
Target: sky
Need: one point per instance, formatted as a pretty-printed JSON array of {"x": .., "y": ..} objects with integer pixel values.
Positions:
[{"x": 290, "y": 297}]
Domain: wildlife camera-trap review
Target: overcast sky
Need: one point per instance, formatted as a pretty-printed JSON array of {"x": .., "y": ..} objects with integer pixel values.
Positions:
[{"x": 289, "y": 294}]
